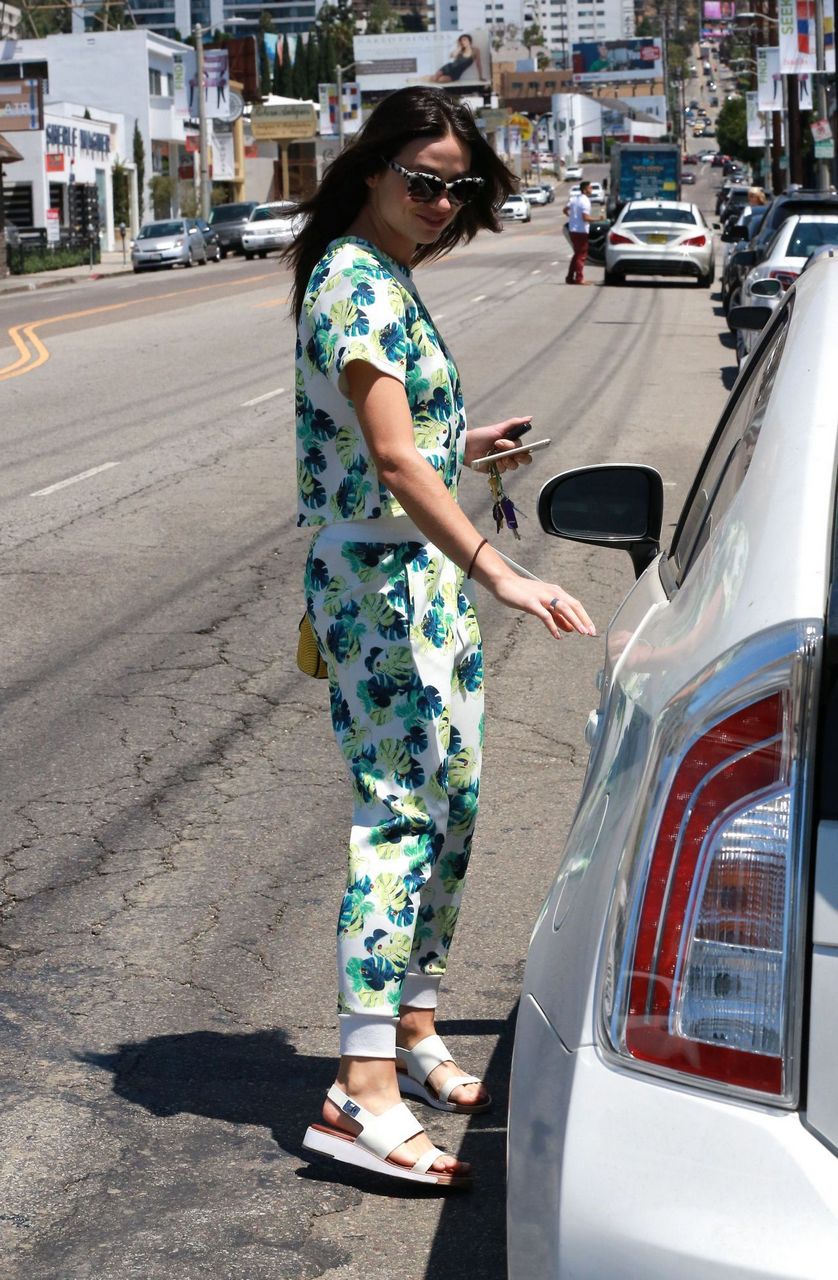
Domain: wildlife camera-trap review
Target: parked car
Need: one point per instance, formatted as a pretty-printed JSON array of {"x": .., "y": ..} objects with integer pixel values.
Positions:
[
  {"x": 746, "y": 321},
  {"x": 549, "y": 190},
  {"x": 734, "y": 237},
  {"x": 688, "y": 179},
  {"x": 270, "y": 226},
  {"x": 515, "y": 209},
  {"x": 673, "y": 1107},
  {"x": 690, "y": 158},
  {"x": 535, "y": 195},
  {"x": 573, "y": 172},
  {"x": 659, "y": 238},
  {"x": 211, "y": 239},
  {"x": 785, "y": 257},
  {"x": 787, "y": 205},
  {"x": 168, "y": 242},
  {"x": 596, "y": 193},
  {"x": 228, "y": 220}
]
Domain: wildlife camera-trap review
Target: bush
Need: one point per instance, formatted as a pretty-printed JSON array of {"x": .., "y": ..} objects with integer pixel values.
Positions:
[{"x": 29, "y": 261}]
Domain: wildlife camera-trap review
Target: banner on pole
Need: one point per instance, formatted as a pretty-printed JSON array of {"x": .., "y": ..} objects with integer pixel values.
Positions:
[
  {"x": 769, "y": 80},
  {"x": 804, "y": 93},
  {"x": 758, "y": 134},
  {"x": 797, "y": 36},
  {"x": 829, "y": 35}
]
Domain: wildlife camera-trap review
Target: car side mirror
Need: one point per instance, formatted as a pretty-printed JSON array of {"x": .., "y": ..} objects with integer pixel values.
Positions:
[
  {"x": 766, "y": 289},
  {"x": 744, "y": 258},
  {"x": 749, "y": 317},
  {"x": 619, "y": 506}
]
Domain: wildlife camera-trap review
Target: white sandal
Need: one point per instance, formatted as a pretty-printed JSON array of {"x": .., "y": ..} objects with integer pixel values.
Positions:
[
  {"x": 418, "y": 1063},
  {"x": 379, "y": 1136}
]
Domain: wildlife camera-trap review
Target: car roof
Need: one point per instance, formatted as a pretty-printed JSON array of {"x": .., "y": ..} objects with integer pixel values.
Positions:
[{"x": 660, "y": 204}]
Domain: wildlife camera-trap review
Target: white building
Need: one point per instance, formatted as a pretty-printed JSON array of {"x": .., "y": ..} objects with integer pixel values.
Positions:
[
  {"x": 495, "y": 15},
  {"x": 130, "y": 72},
  {"x": 73, "y": 147},
  {"x": 176, "y": 18},
  {"x": 568, "y": 22},
  {"x": 9, "y": 21}
]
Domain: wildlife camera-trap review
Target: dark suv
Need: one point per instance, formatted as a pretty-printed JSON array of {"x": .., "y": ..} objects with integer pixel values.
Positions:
[
  {"x": 781, "y": 207},
  {"x": 228, "y": 221}
]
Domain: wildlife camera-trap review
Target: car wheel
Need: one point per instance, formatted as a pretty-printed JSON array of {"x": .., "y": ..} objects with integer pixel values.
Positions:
[
  {"x": 248, "y": 256},
  {"x": 137, "y": 270},
  {"x": 733, "y": 301},
  {"x": 263, "y": 254},
  {"x": 189, "y": 261},
  {"x": 613, "y": 277},
  {"x": 218, "y": 255},
  {"x": 222, "y": 252},
  {"x": 706, "y": 281}
]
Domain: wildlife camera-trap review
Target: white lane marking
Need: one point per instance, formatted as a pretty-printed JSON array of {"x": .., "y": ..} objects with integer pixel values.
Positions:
[
  {"x": 83, "y": 475},
  {"x": 480, "y": 297},
  {"x": 537, "y": 272},
  {"x": 554, "y": 263},
  {"x": 269, "y": 395},
  {"x": 509, "y": 282},
  {"x": 670, "y": 484}
]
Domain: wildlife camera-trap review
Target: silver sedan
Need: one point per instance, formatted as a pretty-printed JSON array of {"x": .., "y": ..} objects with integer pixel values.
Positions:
[
  {"x": 167, "y": 243},
  {"x": 660, "y": 238}
]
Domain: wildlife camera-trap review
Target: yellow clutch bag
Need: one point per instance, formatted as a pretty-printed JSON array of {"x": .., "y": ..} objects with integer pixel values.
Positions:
[{"x": 309, "y": 659}]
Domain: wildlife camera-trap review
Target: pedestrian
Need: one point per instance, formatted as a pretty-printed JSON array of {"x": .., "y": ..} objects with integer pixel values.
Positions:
[
  {"x": 578, "y": 211},
  {"x": 381, "y": 441}
]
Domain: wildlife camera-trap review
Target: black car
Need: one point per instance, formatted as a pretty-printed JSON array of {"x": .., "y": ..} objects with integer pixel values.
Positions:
[
  {"x": 228, "y": 221},
  {"x": 211, "y": 239},
  {"x": 739, "y": 233}
]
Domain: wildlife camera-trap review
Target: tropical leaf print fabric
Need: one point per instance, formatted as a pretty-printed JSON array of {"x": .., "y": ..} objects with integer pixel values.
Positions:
[
  {"x": 406, "y": 682},
  {"x": 362, "y": 305}
]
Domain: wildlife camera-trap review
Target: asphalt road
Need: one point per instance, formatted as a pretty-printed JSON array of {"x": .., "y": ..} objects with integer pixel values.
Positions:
[{"x": 174, "y": 810}]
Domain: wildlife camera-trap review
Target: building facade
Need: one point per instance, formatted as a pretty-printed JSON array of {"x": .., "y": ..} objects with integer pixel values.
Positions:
[
  {"x": 176, "y": 18},
  {"x": 564, "y": 23}
]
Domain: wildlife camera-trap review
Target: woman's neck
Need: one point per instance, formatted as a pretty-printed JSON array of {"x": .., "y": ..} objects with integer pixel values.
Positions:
[{"x": 367, "y": 226}]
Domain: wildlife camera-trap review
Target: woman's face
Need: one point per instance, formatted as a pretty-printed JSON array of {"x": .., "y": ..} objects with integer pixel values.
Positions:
[{"x": 412, "y": 222}]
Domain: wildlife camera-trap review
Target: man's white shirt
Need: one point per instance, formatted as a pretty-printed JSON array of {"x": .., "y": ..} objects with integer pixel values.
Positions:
[{"x": 579, "y": 205}]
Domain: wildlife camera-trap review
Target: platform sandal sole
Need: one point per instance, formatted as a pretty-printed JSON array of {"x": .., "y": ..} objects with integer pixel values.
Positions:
[{"x": 342, "y": 1147}]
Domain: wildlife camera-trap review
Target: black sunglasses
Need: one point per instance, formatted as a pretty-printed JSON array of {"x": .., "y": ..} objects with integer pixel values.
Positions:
[{"x": 425, "y": 187}]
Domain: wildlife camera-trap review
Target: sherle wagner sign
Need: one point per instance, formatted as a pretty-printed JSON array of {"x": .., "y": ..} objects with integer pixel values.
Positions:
[{"x": 285, "y": 120}]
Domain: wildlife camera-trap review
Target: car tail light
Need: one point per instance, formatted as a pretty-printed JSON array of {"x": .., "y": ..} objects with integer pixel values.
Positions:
[
  {"x": 705, "y": 929},
  {"x": 614, "y": 237},
  {"x": 695, "y": 240},
  {"x": 786, "y": 278}
]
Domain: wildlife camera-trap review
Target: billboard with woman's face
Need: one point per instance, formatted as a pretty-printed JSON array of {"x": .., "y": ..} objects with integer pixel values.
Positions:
[
  {"x": 599, "y": 61},
  {"x": 422, "y": 57}
]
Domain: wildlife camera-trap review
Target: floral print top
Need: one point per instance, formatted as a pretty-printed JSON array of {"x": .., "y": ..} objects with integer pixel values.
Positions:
[{"x": 362, "y": 305}]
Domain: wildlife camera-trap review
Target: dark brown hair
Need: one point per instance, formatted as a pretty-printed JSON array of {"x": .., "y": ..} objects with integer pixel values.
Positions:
[{"x": 403, "y": 116}]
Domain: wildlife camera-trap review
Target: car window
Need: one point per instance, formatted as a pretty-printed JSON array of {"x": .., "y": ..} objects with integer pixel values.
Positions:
[
  {"x": 654, "y": 214},
  {"x": 230, "y": 212},
  {"x": 730, "y": 452},
  {"x": 153, "y": 229},
  {"x": 809, "y": 235}
]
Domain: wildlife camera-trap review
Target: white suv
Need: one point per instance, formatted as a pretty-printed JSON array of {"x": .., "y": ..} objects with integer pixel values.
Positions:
[
  {"x": 515, "y": 209},
  {"x": 674, "y": 1110}
]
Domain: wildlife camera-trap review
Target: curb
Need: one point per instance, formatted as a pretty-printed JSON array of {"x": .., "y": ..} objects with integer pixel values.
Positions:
[{"x": 31, "y": 286}]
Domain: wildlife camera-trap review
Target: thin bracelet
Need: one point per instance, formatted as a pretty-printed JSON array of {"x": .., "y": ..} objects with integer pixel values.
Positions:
[{"x": 480, "y": 547}]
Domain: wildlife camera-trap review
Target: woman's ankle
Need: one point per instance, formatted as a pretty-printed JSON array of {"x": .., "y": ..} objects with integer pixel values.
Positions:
[{"x": 367, "y": 1076}]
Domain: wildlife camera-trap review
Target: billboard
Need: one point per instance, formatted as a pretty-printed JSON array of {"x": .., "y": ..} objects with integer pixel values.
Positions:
[
  {"x": 597, "y": 62},
  {"x": 422, "y": 57},
  {"x": 328, "y": 102},
  {"x": 718, "y": 10},
  {"x": 216, "y": 81},
  {"x": 21, "y": 106}
]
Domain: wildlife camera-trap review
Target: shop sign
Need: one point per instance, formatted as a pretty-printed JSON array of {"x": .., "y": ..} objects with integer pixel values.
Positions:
[
  {"x": 54, "y": 163},
  {"x": 21, "y": 106},
  {"x": 284, "y": 121},
  {"x": 62, "y": 137},
  {"x": 53, "y": 221}
]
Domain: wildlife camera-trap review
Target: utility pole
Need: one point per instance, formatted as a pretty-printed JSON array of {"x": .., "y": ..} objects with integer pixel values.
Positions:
[
  {"x": 822, "y": 166},
  {"x": 339, "y": 78},
  {"x": 198, "y": 33}
]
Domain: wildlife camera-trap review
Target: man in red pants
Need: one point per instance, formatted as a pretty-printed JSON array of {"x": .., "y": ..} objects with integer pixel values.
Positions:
[{"x": 578, "y": 210}]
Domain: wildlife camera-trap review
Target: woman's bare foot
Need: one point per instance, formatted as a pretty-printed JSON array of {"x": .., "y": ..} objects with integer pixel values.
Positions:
[
  {"x": 372, "y": 1083},
  {"x": 417, "y": 1024}
]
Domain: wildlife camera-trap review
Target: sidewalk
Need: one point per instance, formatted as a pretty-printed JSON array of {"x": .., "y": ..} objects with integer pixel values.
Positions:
[{"x": 111, "y": 265}]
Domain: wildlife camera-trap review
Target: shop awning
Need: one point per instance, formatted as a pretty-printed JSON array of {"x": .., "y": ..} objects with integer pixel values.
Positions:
[{"x": 8, "y": 154}]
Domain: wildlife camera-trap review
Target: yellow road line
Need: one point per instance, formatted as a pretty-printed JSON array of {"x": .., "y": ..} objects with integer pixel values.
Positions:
[{"x": 23, "y": 334}]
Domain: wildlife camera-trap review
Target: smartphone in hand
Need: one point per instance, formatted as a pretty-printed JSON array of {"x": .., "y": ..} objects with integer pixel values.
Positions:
[
  {"x": 509, "y": 453},
  {"x": 515, "y": 433}
]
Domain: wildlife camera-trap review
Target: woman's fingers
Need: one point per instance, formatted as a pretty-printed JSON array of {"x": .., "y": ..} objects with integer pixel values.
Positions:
[{"x": 570, "y": 613}]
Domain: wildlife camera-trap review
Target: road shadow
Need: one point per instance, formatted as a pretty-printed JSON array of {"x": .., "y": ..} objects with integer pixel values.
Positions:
[
  {"x": 259, "y": 1079},
  {"x": 729, "y": 374}
]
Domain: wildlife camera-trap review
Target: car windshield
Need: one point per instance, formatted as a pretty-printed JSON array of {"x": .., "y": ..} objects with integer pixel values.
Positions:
[
  {"x": 268, "y": 214},
  {"x": 155, "y": 229},
  {"x": 809, "y": 235},
  {"x": 230, "y": 213},
  {"x": 652, "y": 213}
]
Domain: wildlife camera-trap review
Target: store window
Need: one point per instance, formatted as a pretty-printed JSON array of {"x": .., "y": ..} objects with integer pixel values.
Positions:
[{"x": 17, "y": 203}]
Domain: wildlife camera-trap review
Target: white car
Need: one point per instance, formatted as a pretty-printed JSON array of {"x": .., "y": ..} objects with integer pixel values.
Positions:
[
  {"x": 785, "y": 257},
  {"x": 573, "y": 172},
  {"x": 659, "y": 238},
  {"x": 673, "y": 1108},
  {"x": 515, "y": 209},
  {"x": 596, "y": 195},
  {"x": 270, "y": 226},
  {"x": 535, "y": 195}
]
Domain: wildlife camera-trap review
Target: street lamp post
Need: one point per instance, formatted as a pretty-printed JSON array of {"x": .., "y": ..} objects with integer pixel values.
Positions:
[{"x": 198, "y": 33}]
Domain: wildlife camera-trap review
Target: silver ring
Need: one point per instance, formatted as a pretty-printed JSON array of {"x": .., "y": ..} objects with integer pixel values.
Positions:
[{"x": 554, "y": 602}]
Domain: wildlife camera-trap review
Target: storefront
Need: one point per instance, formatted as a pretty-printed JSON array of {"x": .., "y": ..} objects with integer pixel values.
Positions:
[{"x": 76, "y": 145}]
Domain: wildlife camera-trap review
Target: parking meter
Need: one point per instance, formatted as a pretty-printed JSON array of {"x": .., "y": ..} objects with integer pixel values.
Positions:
[{"x": 122, "y": 229}]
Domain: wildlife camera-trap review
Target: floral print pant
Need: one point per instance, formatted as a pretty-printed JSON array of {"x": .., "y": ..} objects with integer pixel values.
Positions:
[{"x": 402, "y": 644}]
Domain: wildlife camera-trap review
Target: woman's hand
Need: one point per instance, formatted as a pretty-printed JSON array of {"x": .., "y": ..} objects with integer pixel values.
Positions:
[
  {"x": 483, "y": 440},
  {"x": 545, "y": 600}
]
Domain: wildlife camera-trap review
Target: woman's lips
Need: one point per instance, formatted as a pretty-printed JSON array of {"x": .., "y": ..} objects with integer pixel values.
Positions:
[{"x": 436, "y": 224}]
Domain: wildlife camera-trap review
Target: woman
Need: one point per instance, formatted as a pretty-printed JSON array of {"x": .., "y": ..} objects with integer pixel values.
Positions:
[
  {"x": 463, "y": 55},
  {"x": 381, "y": 436}
]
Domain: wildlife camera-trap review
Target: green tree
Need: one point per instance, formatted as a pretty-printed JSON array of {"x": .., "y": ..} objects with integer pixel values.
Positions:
[
  {"x": 339, "y": 20},
  {"x": 326, "y": 49},
  {"x": 139, "y": 162},
  {"x": 299, "y": 78},
  {"x": 282, "y": 70},
  {"x": 121, "y": 193},
  {"x": 413, "y": 21},
  {"x": 381, "y": 18},
  {"x": 732, "y": 131},
  {"x": 312, "y": 64}
]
